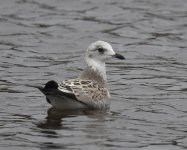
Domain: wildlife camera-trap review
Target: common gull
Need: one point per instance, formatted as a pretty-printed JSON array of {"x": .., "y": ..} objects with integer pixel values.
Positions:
[{"x": 89, "y": 90}]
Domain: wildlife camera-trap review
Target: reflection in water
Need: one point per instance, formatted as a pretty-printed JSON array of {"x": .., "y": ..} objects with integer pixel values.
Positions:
[
  {"x": 58, "y": 122},
  {"x": 46, "y": 40},
  {"x": 55, "y": 117}
]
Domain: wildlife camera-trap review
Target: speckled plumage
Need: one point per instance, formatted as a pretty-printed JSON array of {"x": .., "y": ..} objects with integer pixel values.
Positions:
[{"x": 89, "y": 90}]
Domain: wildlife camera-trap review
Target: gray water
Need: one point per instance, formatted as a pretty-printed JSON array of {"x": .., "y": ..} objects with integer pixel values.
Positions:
[{"x": 42, "y": 40}]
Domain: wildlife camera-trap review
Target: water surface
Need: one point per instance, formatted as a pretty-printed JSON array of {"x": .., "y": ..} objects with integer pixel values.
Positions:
[{"x": 44, "y": 40}]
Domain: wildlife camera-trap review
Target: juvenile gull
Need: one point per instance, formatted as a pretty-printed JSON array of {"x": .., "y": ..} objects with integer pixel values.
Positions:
[{"x": 89, "y": 90}]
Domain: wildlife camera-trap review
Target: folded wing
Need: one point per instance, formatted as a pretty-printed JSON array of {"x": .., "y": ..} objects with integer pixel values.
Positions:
[{"x": 86, "y": 91}]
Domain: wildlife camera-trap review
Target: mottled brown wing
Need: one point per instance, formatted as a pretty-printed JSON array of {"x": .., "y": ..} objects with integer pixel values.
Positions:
[{"x": 89, "y": 92}]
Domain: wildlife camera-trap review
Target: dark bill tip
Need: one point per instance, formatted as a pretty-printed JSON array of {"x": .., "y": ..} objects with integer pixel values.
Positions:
[{"x": 119, "y": 56}]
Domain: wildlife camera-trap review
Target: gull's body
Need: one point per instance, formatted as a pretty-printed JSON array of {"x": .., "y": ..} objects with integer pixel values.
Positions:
[{"x": 89, "y": 90}]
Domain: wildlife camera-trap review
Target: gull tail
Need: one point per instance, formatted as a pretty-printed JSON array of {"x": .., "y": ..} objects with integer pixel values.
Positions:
[
  {"x": 35, "y": 86},
  {"x": 47, "y": 88}
]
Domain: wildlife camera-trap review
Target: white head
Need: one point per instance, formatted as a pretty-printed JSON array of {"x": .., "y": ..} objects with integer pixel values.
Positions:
[
  {"x": 96, "y": 56},
  {"x": 99, "y": 52}
]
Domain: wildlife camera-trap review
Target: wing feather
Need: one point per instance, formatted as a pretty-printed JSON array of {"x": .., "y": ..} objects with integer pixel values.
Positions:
[{"x": 86, "y": 91}]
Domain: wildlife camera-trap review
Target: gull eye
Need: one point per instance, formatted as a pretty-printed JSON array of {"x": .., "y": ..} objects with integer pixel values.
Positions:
[{"x": 101, "y": 50}]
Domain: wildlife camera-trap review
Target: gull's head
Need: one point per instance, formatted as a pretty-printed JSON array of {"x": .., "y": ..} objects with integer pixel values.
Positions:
[
  {"x": 96, "y": 56},
  {"x": 101, "y": 51}
]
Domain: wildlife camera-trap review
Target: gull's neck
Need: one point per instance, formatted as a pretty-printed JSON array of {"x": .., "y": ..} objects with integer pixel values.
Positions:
[{"x": 95, "y": 70}]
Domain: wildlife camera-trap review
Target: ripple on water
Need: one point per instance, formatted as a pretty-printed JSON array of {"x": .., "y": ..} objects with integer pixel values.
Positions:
[{"x": 45, "y": 40}]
